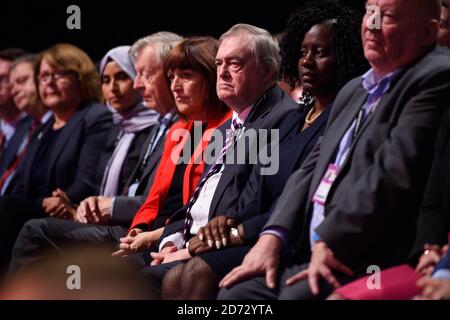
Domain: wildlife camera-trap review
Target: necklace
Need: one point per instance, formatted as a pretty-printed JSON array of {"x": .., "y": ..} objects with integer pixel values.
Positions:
[
  {"x": 306, "y": 100},
  {"x": 308, "y": 119}
]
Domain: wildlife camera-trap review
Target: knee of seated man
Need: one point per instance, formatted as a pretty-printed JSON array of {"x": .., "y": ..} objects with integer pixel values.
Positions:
[
  {"x": 33, "y": 227},
  {"x": 250, "y": 289},
  {"x": 30, "y": 230},
  {"x": 236, "y": 292},
  {"x": 226, "y": 294},
  {"x": 302, "y": 291}
]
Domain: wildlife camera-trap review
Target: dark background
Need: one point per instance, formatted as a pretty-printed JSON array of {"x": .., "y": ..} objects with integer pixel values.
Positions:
[{"x": 36, "y": 25}]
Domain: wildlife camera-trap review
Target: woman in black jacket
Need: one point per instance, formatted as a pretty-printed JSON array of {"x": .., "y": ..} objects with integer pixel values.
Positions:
[{"x": 64, "y": 152}]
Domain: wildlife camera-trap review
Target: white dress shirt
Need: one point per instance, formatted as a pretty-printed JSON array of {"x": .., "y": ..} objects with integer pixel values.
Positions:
[{"x": 200, "y": 209}]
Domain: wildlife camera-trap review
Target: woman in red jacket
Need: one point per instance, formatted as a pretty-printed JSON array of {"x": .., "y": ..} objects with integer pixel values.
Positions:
[{"x": 191, "y": 70}]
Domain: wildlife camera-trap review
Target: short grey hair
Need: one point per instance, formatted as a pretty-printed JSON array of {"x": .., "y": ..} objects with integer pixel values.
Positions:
[
  {"x": 263, "y": 45},
  {"x": 164, "y": 42}
]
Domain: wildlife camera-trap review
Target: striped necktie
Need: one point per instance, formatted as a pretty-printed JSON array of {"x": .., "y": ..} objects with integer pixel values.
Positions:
[{"x": 215, "y": 168}]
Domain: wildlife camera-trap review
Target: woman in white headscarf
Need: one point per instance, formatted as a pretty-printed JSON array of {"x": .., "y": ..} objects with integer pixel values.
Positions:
[
  {"x": 132, "y": 119},
  {"x": 133, "y": 123}
]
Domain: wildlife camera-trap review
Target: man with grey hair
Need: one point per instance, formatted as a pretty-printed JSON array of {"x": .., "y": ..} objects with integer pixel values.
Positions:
[
  {"x": 247, "y": 69},
  {"x": 118, "y": 212},
  {"x": 354, "y": 203},
  {"x": 148, "y": 54}
]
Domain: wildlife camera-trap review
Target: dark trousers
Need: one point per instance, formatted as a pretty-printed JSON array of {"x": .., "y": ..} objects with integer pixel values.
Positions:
[
  {"x": 256, "y": 288},
  {"x": 40, "y": 238},
  {"x": 14, "y": 213}
]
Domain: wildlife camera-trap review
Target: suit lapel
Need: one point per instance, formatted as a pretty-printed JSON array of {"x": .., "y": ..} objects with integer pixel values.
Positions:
[
  {"x": 9, "y": 154},
  {"x": 334, "y": 134},
  {"x": 151, "y": 164},
  {"x": 153, "y": 159},
  {"x": 151, "y": 136},
  {"x": 136, "y": 169},
  {"x": 158, "y": 149},
  {"x": 68, "y": 131},
  {"x": 378, "y": 112},
  {"x": 261, "y": 108}
]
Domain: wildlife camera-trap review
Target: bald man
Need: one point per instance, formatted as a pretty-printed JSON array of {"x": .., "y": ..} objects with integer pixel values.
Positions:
[{"x": 354, "y": 202}]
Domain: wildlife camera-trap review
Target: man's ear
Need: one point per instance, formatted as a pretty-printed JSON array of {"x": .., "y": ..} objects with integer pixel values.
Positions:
[{"x": 431, "y": 32}]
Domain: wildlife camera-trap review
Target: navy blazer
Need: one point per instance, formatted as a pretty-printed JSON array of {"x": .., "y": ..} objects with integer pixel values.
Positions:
[
  {"x": 75, "y": 157},
  {"x": 8, "y": 155}
]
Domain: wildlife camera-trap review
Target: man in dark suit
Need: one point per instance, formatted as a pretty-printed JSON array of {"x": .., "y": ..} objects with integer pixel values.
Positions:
[
  {"x": 355, "y": 200},
  {"x": 26, "y": 97},
  {"x": 14, "y": 123},
  {"x": 246, "y": 82},
  {"x": 8, "y": 154}
]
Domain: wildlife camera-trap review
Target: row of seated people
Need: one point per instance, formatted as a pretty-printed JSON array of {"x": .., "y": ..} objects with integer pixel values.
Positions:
[{"x": 351, "y": 159}]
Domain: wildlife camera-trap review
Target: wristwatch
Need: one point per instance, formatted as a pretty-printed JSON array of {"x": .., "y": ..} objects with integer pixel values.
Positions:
[{"x": 235, "y": 233}]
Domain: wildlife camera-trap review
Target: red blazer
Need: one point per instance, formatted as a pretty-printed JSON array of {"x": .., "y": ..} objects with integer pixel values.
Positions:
[{"x": 174, "y": 143}]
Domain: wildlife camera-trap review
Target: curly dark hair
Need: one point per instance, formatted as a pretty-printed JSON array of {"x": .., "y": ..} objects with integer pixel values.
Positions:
[{"x": 347, "y": 47}]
